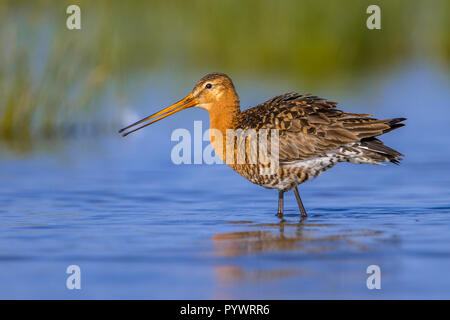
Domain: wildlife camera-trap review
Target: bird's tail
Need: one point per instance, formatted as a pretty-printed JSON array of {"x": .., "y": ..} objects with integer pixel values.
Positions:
[
  {"x": 377, "y": 151},
  {"x": 394, "y": 124},
  {"x": 374, "y": 151}
]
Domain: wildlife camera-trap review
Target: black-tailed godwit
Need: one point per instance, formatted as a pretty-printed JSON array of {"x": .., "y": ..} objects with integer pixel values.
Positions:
[{"x": 312, "y": 134}]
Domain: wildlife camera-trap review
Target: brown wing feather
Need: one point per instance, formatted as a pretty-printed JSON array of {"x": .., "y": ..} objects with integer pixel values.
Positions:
[{"x": 310, "y": 126}]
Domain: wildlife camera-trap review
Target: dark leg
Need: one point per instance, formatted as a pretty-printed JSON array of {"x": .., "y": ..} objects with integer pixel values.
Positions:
[
  {"x": 280, "y": 203},
  {"x": 300, "y": 204}
]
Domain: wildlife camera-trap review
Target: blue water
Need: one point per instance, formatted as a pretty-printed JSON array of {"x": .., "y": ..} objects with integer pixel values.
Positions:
[{"x": 141, "y": 227}]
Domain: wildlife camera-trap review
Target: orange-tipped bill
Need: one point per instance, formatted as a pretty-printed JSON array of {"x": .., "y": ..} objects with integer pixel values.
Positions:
[{"x": 185, "y": 103}]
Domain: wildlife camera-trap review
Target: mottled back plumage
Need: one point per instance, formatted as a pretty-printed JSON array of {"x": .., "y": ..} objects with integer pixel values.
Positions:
[{"x": 314, "y": 135}]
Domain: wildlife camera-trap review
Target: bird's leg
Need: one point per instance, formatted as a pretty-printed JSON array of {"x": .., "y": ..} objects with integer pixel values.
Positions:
[
  {"x": 280, "y": 203},
  {"x": 300, "y": 203}
]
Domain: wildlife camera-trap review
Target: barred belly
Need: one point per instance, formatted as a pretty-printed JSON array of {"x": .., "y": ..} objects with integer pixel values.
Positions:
[{"x": 291, "y": 174}]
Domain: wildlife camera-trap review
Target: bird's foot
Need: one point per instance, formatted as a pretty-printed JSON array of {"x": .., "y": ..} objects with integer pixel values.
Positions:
[{"x": 280, "y": 216}]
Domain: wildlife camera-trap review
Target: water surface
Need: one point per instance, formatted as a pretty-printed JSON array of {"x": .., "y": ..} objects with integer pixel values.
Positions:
[{"x": 141, "y": 227}]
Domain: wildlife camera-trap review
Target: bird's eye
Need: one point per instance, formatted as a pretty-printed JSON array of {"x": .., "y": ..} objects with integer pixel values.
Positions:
[{"x": 208, "y": 86}]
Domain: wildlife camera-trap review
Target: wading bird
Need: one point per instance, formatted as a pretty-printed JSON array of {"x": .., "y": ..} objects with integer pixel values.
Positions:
[{"x": 313, "y": 135}]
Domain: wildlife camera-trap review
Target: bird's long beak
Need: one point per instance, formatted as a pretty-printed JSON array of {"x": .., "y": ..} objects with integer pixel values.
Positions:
[{"x": 187, "y": 102}]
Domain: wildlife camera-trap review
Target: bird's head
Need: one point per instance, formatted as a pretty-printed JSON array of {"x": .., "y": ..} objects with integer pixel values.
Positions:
[{"x": 214, "y": 92}]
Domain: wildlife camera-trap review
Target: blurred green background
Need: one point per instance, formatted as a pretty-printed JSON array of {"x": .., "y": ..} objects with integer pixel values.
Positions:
[{"x": 56, "y": 82}]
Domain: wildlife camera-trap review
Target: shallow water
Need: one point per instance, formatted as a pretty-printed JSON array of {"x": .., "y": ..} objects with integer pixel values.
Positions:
[{"x": 141, "y": 227}]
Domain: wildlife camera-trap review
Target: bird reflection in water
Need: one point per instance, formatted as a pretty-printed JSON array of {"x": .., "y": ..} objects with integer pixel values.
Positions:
[{"x": 308, "y": 240}]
